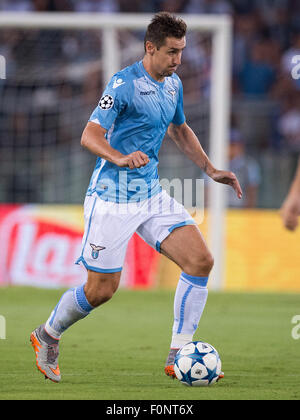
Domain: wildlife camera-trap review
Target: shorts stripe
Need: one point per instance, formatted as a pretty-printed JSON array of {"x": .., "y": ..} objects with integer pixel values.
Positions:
[
  {"x": 170, "y": 230},
  {"x": 89, "y": 225},
  {"x": 185, "y": 223},
  {"x": 97, "y": 269}
]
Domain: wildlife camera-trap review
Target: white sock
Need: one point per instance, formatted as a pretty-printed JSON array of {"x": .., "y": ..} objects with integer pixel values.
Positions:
[
  {"x": 72, "y": 307},
  {"x": 190, "y": 299}
]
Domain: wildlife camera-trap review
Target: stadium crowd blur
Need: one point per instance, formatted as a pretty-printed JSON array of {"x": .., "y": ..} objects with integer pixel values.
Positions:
[{"x": 266, "y": 98}]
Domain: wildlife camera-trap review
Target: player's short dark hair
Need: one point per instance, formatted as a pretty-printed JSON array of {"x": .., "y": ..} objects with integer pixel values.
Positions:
[{"x": 164, "y": 25}]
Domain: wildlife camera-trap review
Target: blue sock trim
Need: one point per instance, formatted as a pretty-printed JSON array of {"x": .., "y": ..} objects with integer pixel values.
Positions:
[
  {"x": 82, "y": 300},
  {"x": 56, "y": 307},
  {"x": 197, "y": 281},
  {"x": 182, "y": 306},
  {"x": 53, "y": 316}
]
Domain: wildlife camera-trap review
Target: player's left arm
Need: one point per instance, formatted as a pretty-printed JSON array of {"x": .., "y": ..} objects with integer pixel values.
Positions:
[{"x": 188, "y": 143}]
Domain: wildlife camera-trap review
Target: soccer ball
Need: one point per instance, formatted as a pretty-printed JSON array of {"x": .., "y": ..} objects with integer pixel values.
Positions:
[{"x": 197, "y": 364}]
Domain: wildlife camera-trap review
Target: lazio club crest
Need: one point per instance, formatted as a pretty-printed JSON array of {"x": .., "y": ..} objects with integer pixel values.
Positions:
[{"x": 95, "y": 250}]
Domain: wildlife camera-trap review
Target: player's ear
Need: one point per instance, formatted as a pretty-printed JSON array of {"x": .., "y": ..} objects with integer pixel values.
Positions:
[{"x": 150, "y": 47}]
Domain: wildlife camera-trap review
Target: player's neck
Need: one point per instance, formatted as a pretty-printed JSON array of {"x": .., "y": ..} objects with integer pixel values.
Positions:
[{"x": 151, "y": 71}]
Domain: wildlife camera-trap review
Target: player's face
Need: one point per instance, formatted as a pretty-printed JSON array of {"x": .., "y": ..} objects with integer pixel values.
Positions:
[{"x": 167, "y": 58}]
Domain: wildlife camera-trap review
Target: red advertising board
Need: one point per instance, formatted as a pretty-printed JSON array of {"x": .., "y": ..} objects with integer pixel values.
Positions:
[{"x": 39, "y": 248}]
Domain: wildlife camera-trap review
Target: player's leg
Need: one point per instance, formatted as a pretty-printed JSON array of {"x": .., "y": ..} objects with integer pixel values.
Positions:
[
  {"x": 74, "y": 305},
  {"x": 100, "y": 287},
  {"x": 103, "y": 251},
  {"x": 174, "y": 233},
  {"x": 187, "y": 248},
  {"x": 78, "y": 302}
]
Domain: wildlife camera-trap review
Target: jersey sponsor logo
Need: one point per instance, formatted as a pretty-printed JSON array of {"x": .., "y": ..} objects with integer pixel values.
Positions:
[
  {"x": 117, "y": 83},
  {"x": 148, "y": 92},
  {"x": 95, "y": 250},
  {"x": 106, "y": 102}
]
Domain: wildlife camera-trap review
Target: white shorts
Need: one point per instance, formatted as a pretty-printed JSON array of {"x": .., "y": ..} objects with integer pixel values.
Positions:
[{"x": 109, "y": 227}]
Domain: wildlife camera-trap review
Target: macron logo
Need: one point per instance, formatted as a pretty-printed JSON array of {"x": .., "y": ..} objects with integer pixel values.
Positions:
[
  {"x": 149, "y": 92},
  {"x": 117, "y": 83}
]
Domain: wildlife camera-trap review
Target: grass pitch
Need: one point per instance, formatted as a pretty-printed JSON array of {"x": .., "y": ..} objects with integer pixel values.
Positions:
[{"x": 118, "y": 352}]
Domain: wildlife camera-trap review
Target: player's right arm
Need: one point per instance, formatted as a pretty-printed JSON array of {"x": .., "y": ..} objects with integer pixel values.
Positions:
[
  {"x": 290, "y": 209},
  {"x": 93, "y": 139},
  {"x": 115, "y": 100}
]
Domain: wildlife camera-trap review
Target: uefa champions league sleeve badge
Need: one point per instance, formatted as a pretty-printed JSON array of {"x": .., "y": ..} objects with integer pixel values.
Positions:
[{"x": 106, "y": 102}]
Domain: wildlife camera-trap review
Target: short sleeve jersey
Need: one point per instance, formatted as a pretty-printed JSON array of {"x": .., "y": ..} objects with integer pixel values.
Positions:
[{"x": 136, "y": 111}]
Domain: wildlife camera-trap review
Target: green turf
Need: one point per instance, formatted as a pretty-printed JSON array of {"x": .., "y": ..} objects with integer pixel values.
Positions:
[{"x": 118, "y": 352}]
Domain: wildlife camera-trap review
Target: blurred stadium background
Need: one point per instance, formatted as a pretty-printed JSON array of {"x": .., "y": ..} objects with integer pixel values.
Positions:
[{"x": 54, "y": 79}]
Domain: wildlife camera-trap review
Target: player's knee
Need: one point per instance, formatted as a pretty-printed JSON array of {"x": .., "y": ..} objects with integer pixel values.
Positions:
[
  {"x": 97, "y": 297},
  {"x": 103, "y": 297},
  {"x": 207, "y": 262},
  {"x": 100, "y": 288},
  {"x": 200, "y": 264}
]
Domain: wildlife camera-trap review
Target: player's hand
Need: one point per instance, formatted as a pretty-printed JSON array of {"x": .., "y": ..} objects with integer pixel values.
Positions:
[
  {"x": 133, "y": 160},
  {"x": 228, "y": 178},
  {"x": 289, "y": 213}
]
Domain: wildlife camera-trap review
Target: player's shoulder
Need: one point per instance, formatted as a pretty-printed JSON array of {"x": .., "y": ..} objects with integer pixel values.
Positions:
[
  {"x": 176, "y": 78},
  {"x": 123, "y": 79}
]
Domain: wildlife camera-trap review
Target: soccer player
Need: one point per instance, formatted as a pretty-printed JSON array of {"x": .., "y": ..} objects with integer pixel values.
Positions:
[
  {"x": 290, "y": 209},
  {"x": 139, "y": 105}
]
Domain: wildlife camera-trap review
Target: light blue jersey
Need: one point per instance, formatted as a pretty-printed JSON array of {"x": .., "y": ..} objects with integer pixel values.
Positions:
[{"x": 136, "y": 110}]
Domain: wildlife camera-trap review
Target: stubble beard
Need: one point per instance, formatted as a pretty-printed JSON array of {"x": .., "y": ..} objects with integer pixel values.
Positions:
[{"x": 167, "y": 73}]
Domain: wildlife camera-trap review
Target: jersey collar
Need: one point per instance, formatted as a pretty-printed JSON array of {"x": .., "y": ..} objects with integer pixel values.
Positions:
[{"x": 144, "y": 71}]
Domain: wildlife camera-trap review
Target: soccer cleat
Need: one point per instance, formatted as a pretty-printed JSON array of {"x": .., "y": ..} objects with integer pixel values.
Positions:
[
  {"x": 169, "y": 367},
  {"x": 46, "y": 355},
  {"x": 221, "y": 376}
]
